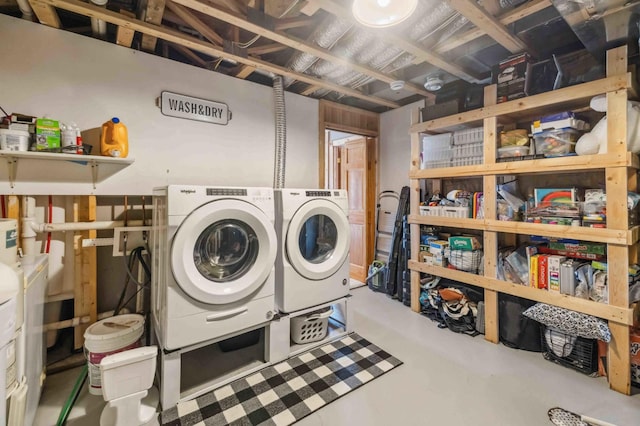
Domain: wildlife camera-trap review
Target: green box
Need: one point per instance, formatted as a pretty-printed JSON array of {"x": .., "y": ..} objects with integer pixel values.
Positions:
[
  {"x": 47, "y": 134},
  {"x": 582, "y": 247},
  {"x": 464, "y": 243}
]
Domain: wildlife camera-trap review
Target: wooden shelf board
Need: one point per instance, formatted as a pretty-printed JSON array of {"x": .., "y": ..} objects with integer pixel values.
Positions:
[
  {"x": 621, "y": 315},
  {"x": 519, "y": 109},
  {"x": 450, "y": 222},
  {"x": 543, "y": 165},
  {"x": 28, "y": 166},
  {"x": 601, "y": 235}
]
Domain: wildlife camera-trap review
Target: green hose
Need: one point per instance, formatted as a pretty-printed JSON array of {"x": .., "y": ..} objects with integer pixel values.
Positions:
[{"x": 66, "y": 409}]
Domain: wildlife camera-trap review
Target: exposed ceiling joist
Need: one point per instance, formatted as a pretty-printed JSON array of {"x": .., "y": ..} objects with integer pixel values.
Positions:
[
  {"x": 151, "y": 13},
  {"x": 46, "y": 14},
  {"x": 416, "y": 50},
  {"x": 231, "y": 5},
  {"x": 245, "y": 72},
  {"x": 188, "y": 53},
  {"x": 194, "y": 22},
  {"x": 510, "y": 17},
  {"x": 294, "y": 43},
  {"x": 266, "y": 48},
  {"x": 207, "y": 48},
  {"x": 297, "y": 22},
  {"x": 489, "y": 24},
  {"x": 124, "y": 36},
  {"x": 309, "y": 90}
]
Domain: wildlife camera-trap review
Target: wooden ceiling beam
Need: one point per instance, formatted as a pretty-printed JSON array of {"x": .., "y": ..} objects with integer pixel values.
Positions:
[
  {"x": 124, "y": 36},
  {"x": 266, "y": 48},
  {"x": 46, "y": 14},
  {"x": 489, "y": 24},
  {"x": 194, "y": 22},
  {"x": 207, "y": 48},
  {"x": 391, "y": 38},
  {"x": 510, "y": 17},
  {"x": 297, "y": 22},
  {"x": 188, "y": 53},
  {"x": 151, "y": 13},
  {"x": 295, "y": 43},
  {"x": 231, "y": 5},
  {"x": 309, "y": 90},
  {"x": 245, "y": 71}
]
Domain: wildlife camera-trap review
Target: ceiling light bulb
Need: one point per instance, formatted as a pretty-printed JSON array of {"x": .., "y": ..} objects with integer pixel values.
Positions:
[
  {"x": 433, "y": 83},
  {"x": 382, "y": 13}
]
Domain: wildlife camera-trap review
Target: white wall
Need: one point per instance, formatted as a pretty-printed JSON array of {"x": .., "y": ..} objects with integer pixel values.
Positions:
[
  {"x": 395, "y": 147},
  {"x": 75, "y": 78}
]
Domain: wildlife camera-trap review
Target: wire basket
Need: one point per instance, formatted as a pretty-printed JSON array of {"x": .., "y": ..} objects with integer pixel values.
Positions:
[
  {"x": 465, "y": 260},
  {"x": 570, "y": 351},
  {"x": 311, "y": 327}
]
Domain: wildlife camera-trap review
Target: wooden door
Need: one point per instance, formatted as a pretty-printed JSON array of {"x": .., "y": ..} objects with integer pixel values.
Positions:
[{"x": 353, "y": 178}]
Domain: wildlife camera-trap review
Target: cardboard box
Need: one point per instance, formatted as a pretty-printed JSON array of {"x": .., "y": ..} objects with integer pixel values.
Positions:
[
  {"x": 543, "y": 271},
  {"x": 464, "y": 243},
  {"x": 512, "y": 77},
  {"x": 434, "y": 259},
  {"x": 585, "y": 247},
  {"x": 437, "y": 247},
  {"x": 47, "y": 134},
  {"x": 553, "y": 267}
]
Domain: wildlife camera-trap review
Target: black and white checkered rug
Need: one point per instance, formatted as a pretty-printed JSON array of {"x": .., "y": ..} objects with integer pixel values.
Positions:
[{"x": 286, "y": 392}]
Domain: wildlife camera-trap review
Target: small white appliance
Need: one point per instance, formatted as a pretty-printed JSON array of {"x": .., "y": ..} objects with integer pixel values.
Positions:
[
  {"x": 213, "y": 262},
  {"x": 126, "y": 378},
  {"x": 312, "y": 266}
]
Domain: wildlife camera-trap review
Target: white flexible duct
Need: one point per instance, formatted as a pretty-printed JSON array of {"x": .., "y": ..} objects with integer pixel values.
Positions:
[
  {"x": 281, "y": 133},
  {"x": 98, "y": 26},
  {"x": 25, "y": 8}
]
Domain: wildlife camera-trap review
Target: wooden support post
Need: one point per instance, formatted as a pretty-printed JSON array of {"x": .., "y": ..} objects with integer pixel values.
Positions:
[
  {"x": 85, "y": 294},
  {"x": 491, "y": 324}
]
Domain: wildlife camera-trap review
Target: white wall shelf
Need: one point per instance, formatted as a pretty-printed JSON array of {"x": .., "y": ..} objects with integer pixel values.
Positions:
[{"x": 27, "y": 166}]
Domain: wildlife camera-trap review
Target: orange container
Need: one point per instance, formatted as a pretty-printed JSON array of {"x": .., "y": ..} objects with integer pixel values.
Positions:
[{"x": 114, "y": 140}]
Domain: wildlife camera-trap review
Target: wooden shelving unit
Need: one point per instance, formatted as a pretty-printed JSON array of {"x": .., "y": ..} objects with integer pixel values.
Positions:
[{"x": 620, "y": 175}]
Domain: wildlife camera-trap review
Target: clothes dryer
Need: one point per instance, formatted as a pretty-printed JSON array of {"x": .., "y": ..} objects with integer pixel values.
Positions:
[
  {"x": 312, "y": 266},
  {"x": 213, "y": 253}
]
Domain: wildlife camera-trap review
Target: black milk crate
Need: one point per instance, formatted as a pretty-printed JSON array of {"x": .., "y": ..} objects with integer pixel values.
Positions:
[{"x": 569, "y": 351}]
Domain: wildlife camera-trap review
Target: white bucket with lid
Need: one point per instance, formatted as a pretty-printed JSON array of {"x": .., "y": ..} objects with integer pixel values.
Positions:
[
  {"x": 14, "y": 140},
  {"x": 110, "y": 336}
]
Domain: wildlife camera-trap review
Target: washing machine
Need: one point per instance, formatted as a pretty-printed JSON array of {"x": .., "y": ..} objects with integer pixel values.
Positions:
[
  {"x": 312, "y": 266},
  {"x": 213, "y": 254}
]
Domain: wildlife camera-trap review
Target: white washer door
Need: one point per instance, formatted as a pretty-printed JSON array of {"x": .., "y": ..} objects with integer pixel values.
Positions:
[
  {"x": 223, "y": 251},
  {"x": 318, "y": 239}
]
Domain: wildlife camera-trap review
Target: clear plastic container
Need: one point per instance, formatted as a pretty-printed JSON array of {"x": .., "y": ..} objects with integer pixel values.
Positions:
[
  {"x": 114, "y": 140},
  {"x": 556, "y": 142},
  {"x": 513, "y": 151},
  {"x": 466, "y": 136}
]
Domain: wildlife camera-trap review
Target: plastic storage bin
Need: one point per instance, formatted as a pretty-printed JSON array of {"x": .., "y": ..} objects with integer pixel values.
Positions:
[
  {"x": 311, "y": 327},
  {"x": 556, "y": 142},
  {"x": 467, "y": 136},
  {"x": 436, "y": 151},
  {"x": 513, "y": 151}
]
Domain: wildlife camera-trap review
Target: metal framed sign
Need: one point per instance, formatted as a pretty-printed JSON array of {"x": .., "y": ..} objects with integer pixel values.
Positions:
[{"x": 190, "y": 108}]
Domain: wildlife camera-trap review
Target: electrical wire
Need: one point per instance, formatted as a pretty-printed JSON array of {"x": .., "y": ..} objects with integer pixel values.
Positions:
[
  {"x": 249, "y": 43},
  {"x": 4, "y": 112}
]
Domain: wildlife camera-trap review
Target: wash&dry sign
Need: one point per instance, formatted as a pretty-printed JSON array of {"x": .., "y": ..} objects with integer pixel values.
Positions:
[{"x": 190, "y": 108}]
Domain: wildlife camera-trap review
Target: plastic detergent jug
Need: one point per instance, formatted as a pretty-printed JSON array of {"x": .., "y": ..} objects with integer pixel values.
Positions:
[{"x": 114, "y": 141}]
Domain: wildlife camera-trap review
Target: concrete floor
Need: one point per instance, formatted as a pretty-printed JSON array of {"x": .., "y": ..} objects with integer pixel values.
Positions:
[{"x": 446, "y": 378}]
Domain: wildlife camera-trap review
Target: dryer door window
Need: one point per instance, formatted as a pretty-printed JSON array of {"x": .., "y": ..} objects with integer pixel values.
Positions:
[
  {"x": 223, "y": 251},
  {"x": 318, "y": 238},
  {"x": 226, "y": 250}
]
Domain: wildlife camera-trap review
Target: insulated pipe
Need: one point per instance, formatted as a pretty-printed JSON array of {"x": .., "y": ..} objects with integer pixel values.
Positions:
[
  {"x": 28, "y": 234},
  {"x": 25, "y": 8},
  {"x": 81, "y": 226},
  {"x": 281, "y": 133},
  {"x": 98, "y": 26}
]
